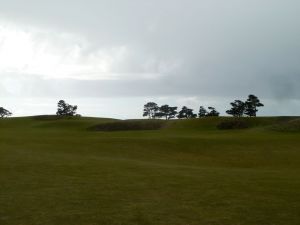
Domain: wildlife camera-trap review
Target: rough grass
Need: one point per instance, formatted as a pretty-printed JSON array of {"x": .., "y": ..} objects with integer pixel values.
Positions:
[
  {"x": 292, "y": 125},
  {"x": 127, "y": 125},
  {"x": 234, "y": 123},
  {"x": 56, "y": 172},
  {"x": 284, "y": 124}
]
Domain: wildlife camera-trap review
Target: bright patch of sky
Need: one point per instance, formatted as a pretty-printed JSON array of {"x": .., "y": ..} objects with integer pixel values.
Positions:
[{"x": 54, "y": 55}]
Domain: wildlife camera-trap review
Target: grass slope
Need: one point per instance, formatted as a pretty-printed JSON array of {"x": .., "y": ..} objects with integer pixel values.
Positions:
[{"x": 58, "y": 172}]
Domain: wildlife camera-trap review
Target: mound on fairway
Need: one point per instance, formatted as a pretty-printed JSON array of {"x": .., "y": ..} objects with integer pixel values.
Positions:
[{"x": 58, "y": 172}]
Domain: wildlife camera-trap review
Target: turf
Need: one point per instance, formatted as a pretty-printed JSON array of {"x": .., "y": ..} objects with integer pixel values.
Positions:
[{"x": 58, "y": 172}]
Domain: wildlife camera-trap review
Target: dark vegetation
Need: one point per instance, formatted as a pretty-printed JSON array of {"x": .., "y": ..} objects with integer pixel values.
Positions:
[
  {"x": 233, "y": 124},
  {"x": 280, "y": 124},
  {"x": 129, "y": 125},
  {"x": 51, "y": 117}
]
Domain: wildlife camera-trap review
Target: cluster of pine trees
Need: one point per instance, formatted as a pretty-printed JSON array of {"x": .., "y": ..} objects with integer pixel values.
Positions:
[
  {"x": 153, "y": 111},
  {"x": 238, "y": 109},
  {"x": 249, "y": 107}
]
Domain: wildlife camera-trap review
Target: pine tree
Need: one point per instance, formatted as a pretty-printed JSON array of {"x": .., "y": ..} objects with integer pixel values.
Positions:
[
  {"x": 202, "y": 112},
  {"x": 166, "y": 111},
  {"x": 212, "y": 112},
  {"x": 186, "y": 113},
  {"x": 251, "y": 105},
  {"x": 64, "y": 109},
  {"x": 150, "y": 110},
  {"x": 238, "y": 108}
]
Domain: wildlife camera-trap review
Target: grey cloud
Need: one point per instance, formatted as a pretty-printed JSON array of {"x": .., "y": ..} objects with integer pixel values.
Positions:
[
  {"x": 35, "y": 86},
  {"x": 225, "y": 48}
]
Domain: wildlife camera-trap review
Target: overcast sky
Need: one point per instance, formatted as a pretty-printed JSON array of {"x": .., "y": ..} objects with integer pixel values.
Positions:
[{"x": 111, "y": 56}]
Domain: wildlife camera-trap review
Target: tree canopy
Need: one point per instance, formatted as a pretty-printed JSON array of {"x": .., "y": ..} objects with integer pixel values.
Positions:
[
  {"x": 166, "y": 111},
  {"x": 64, "y": 109},
  {"x": 212, "y": 112},
  {"x": 249, "y": 107},
  {"x": 150, "y": 110},
  {"x": 186, "y": 113},
  {"x": 252, "y": 105},
  {"x": 202, "y": 112},
  {"x": 4, "y": 112},
  {"x": 238, "y": 108}
]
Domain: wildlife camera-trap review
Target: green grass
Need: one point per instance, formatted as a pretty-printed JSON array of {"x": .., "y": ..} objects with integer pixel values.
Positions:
[{"x": 59, "y": 172}]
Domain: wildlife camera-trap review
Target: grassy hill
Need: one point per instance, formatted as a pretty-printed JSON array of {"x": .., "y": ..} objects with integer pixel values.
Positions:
[{"x": 88, "y": 171}]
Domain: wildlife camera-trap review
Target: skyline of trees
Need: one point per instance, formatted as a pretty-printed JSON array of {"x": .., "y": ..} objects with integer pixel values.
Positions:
[{"x": 152, "y": 110}]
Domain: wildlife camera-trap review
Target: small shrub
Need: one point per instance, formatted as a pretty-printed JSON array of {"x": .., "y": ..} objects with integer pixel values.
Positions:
[
  {"x": 128, "y": 125},
  {"x": 46, "y": 117},
  {"x": 233, "y": 124},
  {"x": 51, "y": 117}
]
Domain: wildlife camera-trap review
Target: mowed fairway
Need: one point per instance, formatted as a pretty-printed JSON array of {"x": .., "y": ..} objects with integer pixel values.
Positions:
[{"x": 56, "y": 172}]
